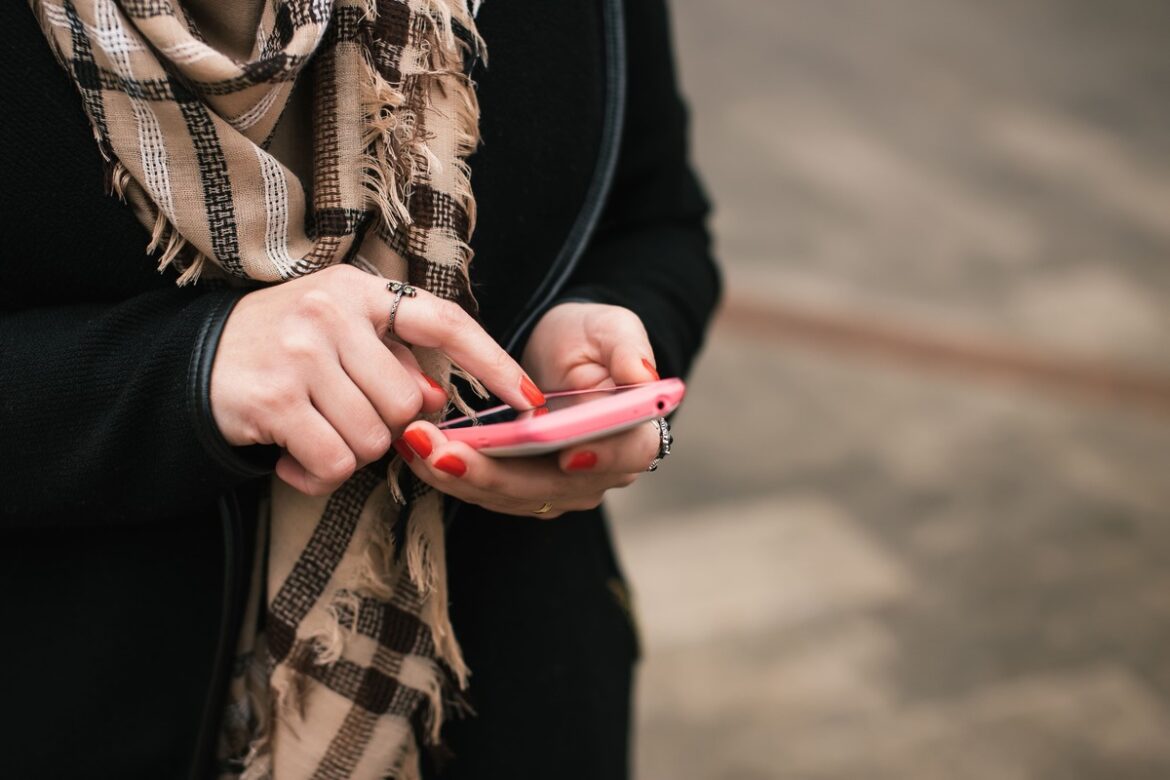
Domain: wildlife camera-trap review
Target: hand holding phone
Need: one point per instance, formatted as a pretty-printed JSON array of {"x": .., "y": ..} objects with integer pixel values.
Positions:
[
  {"x": 568, "y": 418},
  {"x": 573, "y": 345}
]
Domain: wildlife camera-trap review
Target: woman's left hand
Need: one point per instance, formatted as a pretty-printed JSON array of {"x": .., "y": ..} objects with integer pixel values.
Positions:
[{"x": 575, "y": 346}]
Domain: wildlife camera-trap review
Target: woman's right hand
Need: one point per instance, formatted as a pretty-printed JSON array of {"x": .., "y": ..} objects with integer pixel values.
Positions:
[{"x": 307, "y": 365}]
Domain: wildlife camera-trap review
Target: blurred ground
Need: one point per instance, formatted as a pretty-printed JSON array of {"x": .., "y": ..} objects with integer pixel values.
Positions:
[{"x": 863, "y": 564}]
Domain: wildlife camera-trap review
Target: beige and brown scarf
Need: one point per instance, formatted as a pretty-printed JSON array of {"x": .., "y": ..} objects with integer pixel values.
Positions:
[{"x": 347, "y": 675}]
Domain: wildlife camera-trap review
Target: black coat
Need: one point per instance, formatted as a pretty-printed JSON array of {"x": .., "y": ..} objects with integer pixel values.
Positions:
[{"x": 125, "y": 519}]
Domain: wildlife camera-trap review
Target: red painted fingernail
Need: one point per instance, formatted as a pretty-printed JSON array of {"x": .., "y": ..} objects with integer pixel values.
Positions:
[
  {"x": 540, "y": 411},
  {"x": 452, "y": 465},
  {"x": 583, "y": 460},
  {"x": 531, "y": 392},
  {"x": 434, "y": 384},
  {"x": 653, "y": 371},
  {"x": 418, "y": 442},
  {"x": 403, "y": 450}
]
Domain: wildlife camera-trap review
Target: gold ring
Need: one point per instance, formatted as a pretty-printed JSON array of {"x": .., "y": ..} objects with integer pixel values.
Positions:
[{"x": 547, "y": 506}]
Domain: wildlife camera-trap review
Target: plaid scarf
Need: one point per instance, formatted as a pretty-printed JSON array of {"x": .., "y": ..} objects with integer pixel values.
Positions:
[{"x": 347, "y": 674}]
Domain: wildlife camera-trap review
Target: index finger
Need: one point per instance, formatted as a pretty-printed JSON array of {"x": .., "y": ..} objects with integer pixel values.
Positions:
[{"x": 430, "y": 321}]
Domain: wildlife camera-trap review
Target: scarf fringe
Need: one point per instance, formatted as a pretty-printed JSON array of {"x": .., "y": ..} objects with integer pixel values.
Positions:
[
  {"x": 257, "y": 763},
  {"x": 408, "y": 766},
  {"x": 376, "y": 575},
  {"x": 394, "y": 479},
  {"x": 392, "y": 146},
  {"x": 396, "y": 149},
  {"x": 426, "y": 563},
  {"x": 476, "y": 387},
  {"x": 176, "y": 250}
]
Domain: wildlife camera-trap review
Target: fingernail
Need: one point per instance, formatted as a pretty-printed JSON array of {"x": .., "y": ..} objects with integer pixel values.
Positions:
[
  {"x": 540, "y": 411},
  {"x": 418, "y": 442},
  {"x": 649, "y": 367},
  {"x": 452, "y": 465},
  {"x": 434, "y": 384},
  {"x": 583, "y": 460},
  {"x": 531, "y": 392},
  {"x": 403, "y": 450}
]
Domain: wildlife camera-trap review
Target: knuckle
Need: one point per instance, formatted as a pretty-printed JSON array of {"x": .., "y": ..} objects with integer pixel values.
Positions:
[
  {"x": 402, "y": 413},
  {"x": 492, "y": 483},
  {"x": 276, "y": 397},
  {"x": 375, "y": 444},
  {"x": 338, "y": 469},
  {"x": 298, "y": 344},
  {"x": 339, "y": 272},
  {"x": 449, "y": 315},
  {"x": 316, "y": 303},
  {"x": 628, "y": 320},
  {"x": 500, "y": 362},
  {"x": 252, "y": 431},
  {"x": 623, "y": 316},
  {"x": 408, "y": 400}
]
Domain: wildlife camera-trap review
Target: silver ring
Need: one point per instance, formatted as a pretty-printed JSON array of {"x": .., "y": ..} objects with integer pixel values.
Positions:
[
  {"x": 399, "y": 289},
  {"x": 664, "y": 441}
]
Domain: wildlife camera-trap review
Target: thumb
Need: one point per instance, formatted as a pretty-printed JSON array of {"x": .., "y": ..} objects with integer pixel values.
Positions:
[
  {"x": 626, "y": 349},
  {"x": 630, "y": 364}
]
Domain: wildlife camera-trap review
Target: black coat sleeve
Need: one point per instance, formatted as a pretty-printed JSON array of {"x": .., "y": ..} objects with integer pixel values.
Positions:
[
  {"x": 104, "y": 410},
  {"x": 652, "y": 251}
]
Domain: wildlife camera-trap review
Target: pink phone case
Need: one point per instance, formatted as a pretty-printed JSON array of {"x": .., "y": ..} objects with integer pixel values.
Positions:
[{"x": 565, "y": 427}]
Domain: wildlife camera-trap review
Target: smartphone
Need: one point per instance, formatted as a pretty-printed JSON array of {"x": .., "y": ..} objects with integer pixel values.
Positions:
[{"x": 567, "y": 418}]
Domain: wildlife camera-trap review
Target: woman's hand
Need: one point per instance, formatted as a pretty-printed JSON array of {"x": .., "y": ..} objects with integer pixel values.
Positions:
[
  {"x": 307, "y": 365},
  {"x": 574, "y": 346}
]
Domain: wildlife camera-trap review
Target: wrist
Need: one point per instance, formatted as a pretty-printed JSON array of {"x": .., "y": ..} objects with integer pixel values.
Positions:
[{"x": 251, "y": 460}]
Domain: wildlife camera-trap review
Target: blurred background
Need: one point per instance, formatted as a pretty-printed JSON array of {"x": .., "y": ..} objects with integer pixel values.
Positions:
[{"x": 917, "y": 524}]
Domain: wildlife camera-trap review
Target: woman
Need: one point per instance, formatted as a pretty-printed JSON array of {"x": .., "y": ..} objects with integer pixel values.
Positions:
[{"x": 135, "y": 452}]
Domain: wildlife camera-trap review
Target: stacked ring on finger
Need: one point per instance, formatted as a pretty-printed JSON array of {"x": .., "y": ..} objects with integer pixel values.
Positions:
[
  {"x": 664, "y": 442},
  {"x": 399, "y": 289}
]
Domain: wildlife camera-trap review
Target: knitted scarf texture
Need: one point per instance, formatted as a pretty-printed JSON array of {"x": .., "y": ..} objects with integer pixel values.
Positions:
[{"x": 346, "y": 654}]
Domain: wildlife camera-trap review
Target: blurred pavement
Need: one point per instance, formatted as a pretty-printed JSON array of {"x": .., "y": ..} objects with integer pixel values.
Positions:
[{"x": 864, "y": 561}]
